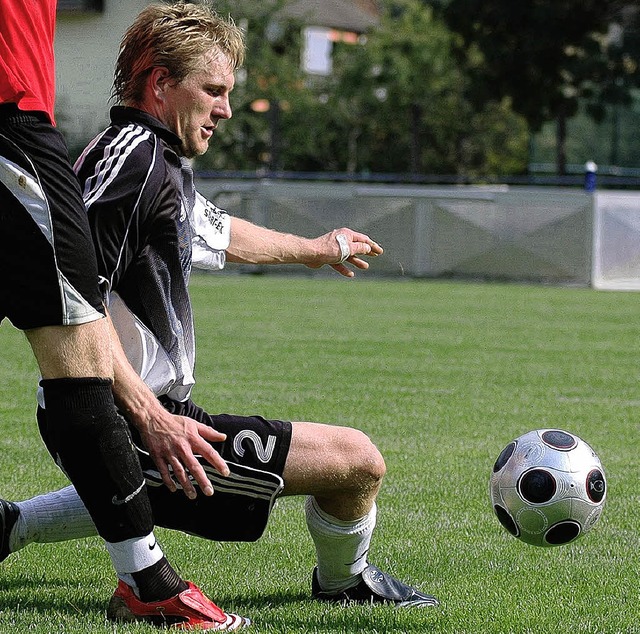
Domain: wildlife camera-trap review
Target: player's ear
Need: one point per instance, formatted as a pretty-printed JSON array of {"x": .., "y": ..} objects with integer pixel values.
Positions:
[{"x": 159, "y": 80}]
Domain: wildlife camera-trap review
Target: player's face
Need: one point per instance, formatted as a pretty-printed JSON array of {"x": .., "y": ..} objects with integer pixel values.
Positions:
[{"x": 194, "y": 107}]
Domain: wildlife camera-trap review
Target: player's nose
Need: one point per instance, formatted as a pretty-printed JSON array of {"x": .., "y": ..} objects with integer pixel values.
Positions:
[{"x": 222, "y": 110}]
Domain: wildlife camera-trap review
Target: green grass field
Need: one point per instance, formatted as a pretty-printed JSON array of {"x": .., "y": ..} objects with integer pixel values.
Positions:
[{"x": 441, "y": 375}]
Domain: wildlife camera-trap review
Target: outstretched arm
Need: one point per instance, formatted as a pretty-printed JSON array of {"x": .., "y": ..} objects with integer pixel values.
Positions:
[{"x": 252, "y": 244}]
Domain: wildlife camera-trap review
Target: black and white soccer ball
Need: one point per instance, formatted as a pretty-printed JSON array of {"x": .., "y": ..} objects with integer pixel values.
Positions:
[{"x": 548, "y": 487}]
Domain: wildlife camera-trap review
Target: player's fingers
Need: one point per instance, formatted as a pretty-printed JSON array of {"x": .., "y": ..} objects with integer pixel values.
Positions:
[
  {"x": 166, "y": 475},
  {"x": 210, "y": 434},
  {"x": 199, "y": 475},
  {"x": 161, "y": 463},
  {"x": 358, "y": 262},
  {"x": 362, "y": 244},
  {"x": 343, "y": 270},
  {"x": 366, "y": 246},
  {"x": 182, "y": 476},
  {"x": 376, "y": 249},
  {"x": 197, "y": 471},
  {"x": 213, "y": 458}
]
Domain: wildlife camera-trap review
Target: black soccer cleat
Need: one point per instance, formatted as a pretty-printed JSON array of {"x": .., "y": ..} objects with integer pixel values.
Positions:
[
  {"x": 376, "y": 587},
  {"x": 9, "y": 513}
]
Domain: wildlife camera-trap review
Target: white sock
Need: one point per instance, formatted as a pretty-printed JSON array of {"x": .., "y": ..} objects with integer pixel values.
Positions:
[
  {"x": 133, "y": 555},
  {"x": 341, "y": 547},
  {"x": 61, "y": 516},
  {"x": 53, "y": 517}
]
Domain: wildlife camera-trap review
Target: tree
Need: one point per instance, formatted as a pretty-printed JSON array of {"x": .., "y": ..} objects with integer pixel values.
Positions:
[
  {"x": 269, "y": 86},
  {"x": 404, "y": 94},
  {"x": 395, "y": 103},
  {"x": 544, "y": 54},
  {"x": 613, "y": 88}
]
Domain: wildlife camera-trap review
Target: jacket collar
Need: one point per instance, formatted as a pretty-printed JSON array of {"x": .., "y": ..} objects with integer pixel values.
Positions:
[{"x": 125, "y": 114}]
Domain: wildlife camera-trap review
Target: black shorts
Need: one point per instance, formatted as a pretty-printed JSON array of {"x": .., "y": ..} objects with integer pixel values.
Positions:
[
  {"x": 49, "y": 275},
  {"x": 256, "y": 450}
]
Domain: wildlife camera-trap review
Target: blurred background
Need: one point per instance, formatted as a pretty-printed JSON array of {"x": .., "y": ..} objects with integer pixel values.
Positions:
[
  {"x": 486, "y": 139},
  {"x": 419, "y": 90}
]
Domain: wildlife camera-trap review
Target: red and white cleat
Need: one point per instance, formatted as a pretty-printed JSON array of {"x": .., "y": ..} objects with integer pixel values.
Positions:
[{"x": 189, "y": 610}]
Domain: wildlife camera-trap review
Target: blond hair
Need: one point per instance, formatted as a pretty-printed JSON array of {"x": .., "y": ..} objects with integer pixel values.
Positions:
[{"x": 174, "y": 36}]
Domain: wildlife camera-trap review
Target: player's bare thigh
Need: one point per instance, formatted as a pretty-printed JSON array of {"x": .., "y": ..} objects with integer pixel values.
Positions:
[
  {"x": 73, "y": 351},
  {"x": 340, "y": 466}
]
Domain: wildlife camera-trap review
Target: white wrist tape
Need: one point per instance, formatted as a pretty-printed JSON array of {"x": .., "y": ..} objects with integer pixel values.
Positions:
[{"x": 345, "y": 250}]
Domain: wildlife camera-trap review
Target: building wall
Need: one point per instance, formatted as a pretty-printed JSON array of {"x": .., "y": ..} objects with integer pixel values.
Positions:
[{"x": 86, "y": 49}]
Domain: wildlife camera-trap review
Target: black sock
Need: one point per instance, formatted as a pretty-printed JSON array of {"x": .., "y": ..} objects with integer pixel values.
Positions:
[{"x": 158, "y": 582}]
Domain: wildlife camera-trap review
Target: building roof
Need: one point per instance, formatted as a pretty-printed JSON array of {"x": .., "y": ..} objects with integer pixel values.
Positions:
[{"x": 350, "y": 15}]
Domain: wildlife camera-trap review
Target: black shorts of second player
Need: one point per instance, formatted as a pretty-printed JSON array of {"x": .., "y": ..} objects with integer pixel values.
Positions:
[
  {"x": 48, "y": 270},
  {"x": 256, "y": 451}
]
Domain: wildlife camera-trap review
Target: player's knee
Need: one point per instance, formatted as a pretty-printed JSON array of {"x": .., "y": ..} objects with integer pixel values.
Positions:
[
  {"x": 367, "y": 465},
  {"x": 329, "y": 460}
]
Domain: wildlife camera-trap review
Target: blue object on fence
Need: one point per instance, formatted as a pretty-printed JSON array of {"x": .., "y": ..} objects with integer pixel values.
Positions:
[{"x": 590, "y": 171}]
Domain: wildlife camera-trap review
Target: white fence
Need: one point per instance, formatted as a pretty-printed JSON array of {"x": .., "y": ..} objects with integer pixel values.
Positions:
[
  {"x": 563, "y": 236},
  {"x": 616, "y": 241}
]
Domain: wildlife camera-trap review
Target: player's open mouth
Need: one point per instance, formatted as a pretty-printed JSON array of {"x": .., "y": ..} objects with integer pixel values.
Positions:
[{"x": 208, "y": 130}]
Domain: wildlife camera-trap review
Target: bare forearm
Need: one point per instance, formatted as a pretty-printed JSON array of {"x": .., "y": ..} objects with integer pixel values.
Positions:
[
  {"x": 252, "y": 244},
  {"x": 172, "y": 441},
  {"x": 131, "y": 394}
]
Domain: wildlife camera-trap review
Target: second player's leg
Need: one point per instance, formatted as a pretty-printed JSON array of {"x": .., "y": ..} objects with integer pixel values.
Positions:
[{"x": 72, "y": 351}]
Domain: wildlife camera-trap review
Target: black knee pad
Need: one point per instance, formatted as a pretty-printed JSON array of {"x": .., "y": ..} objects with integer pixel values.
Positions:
[{"x": 91, "y": 443}]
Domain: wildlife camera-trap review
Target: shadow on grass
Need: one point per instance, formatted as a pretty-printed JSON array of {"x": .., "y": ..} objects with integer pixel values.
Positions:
[
  {"x": 50, "y": 593},
  {"x": 266, "y": 601},
  {"x": 298, "y": 612},
  {"x": 278, "y": 611},
  {"x": 46, "y": 594}
]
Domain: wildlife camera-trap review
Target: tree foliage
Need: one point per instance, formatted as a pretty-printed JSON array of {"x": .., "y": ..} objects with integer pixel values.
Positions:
[
  {"x": 397, "y": 101},
  {"x": 550, "y": 56},
  {"x": 271, "y": 79},
  {"x": 406, "y": 94},
  {"x": 539, "y": 52}
]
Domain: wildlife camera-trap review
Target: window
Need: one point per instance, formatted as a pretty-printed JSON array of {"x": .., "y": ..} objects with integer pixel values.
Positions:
[
  {"x": 80, "y": 5},
  {"x": 316, "y": 55}
]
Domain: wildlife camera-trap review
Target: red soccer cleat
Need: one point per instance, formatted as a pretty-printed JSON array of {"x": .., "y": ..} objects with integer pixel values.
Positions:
[{"x": 189, "y": 610}]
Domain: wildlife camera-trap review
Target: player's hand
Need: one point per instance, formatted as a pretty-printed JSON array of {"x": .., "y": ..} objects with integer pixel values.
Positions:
[
  {"x": 173, "y": 443},
  {"x": 342, "y": 246}
]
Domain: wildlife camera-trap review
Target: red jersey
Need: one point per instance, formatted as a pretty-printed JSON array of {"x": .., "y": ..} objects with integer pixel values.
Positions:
[{"x": 27, "y": 69}]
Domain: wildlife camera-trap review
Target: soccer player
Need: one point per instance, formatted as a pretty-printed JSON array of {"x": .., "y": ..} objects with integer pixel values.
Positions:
[
  {"x": 49, "y": 289},
  {"x": 174, "y": 75}
]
